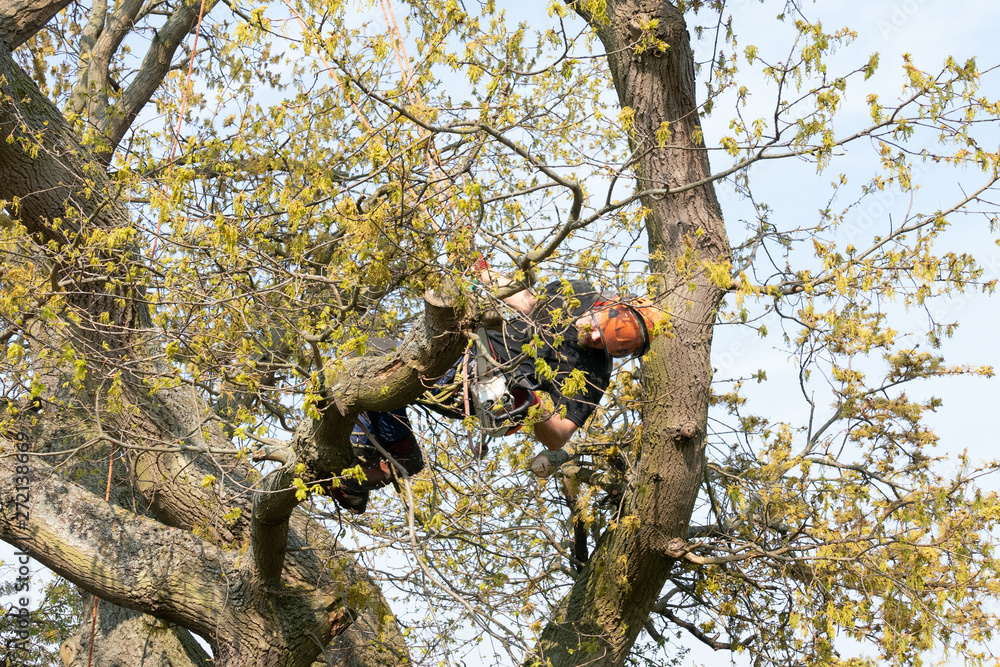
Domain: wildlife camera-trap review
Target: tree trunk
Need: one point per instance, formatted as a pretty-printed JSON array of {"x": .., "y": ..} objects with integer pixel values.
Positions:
[
  {"x": 63, "y": 196},
  {"x": 125, "y": 638},
  {"x": 598, "y": 622}
]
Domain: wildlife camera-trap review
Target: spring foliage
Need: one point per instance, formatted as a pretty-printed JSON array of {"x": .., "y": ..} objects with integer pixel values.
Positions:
[{"x": 318, "y": 173}]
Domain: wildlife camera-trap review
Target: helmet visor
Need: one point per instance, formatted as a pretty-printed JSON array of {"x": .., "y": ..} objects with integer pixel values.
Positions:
[{"x": 622, "y": 330}]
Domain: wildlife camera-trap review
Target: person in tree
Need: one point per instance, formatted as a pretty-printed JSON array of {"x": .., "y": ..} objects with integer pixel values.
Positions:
[
  {"x": 375, "y": 435},
  {"x": 577, "y": 331},
  {"x": 382, "y": 442}
]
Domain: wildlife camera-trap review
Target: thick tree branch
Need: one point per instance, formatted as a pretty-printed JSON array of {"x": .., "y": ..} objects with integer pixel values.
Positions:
[
  {"x": 95, "y": 82},
  {"x": 273, "y": 504},
  {"x": 387, "y": 382},
  {"x": 43, "y": 161},
  {"x": 154, "y": 67},
  {"x": 19, "y": 20},
  {"x": 120, "y": 557},
  {"x": 115, "y": 641},
  {"x": 81, "y": 97},
  {"x": 599, "y": 619}
]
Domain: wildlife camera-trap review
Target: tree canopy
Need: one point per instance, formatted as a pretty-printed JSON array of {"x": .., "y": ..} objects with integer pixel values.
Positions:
[{"x": 212, "y": 211}]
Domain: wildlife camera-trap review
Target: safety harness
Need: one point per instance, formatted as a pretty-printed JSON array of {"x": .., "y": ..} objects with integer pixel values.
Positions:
[{"x": 501, "y": 396}]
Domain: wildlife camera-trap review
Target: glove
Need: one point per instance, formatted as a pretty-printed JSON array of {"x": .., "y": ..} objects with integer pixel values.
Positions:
[{"x": 479, "y": 265}]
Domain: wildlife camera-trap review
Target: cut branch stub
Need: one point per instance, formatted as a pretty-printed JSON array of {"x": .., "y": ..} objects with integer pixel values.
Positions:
[{"x": 690, "y": 430}]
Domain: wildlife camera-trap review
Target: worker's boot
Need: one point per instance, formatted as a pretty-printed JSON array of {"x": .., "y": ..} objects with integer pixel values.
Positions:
[{"x": 354, "y": 501}]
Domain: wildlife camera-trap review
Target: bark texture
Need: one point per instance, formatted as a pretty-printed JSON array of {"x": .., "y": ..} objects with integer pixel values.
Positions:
[
  {"x": 183, "y": 579},
  {"x": 20, "y": 20},
  {"x": 125, "y": 638},
  {"x": 601, "y": 618},
  {"x": 163, "y": 547}
]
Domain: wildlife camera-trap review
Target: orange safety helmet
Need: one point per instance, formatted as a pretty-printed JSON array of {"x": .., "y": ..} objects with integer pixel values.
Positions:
[{"x": 625, "y": 324}]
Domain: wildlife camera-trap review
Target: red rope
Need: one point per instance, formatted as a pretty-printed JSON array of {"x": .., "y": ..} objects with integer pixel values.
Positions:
[
  {"x": 152, "y": 255},
  {"x": 93, "y": 621},
  {"x": 180, "y": 119}
]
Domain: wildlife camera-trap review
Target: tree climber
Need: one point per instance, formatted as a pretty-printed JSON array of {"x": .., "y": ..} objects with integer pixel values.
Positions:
[
  {"x": 579, "y": 331},
  {"x": 377, "y": 436},
  {"x": 383, "y": 442}
]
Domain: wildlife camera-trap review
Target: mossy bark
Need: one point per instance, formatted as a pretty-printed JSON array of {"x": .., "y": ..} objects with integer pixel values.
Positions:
[{"x": 162, "y": 547}]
